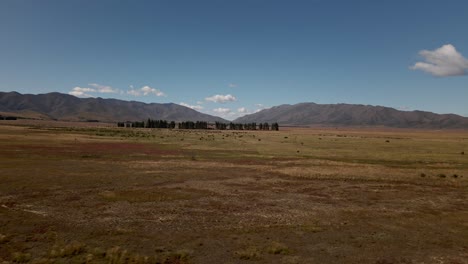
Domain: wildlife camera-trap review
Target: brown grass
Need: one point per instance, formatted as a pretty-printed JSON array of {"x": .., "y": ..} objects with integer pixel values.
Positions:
[{"x": 108, "y": 195}]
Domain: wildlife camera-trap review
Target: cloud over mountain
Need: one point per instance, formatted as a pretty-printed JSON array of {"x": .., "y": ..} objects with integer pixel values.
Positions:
[
  {"x": 219, "y": 98},
  {"x": 103, "y": 88},
  {"x": 146, "y": 90},
  {"x": 242, "y": 110},
  {"x": 222, "y": 111},
  {"x": 88, "y": 91},
  {"x": 195, "y": 107},
  {"x": 81, "y": 91},
  {"x": 99, "y": 88}
]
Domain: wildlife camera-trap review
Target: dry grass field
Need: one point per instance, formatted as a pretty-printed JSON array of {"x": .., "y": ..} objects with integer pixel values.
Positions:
[{"x": 82, "y": 194}]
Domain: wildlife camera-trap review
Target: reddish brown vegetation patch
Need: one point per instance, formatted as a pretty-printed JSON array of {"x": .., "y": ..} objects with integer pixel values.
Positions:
[
  {"x": 124, "y": 149},
  {"x": 91, "y": 149}
]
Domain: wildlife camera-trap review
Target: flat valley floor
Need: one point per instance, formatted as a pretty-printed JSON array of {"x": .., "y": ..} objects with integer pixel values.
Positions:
[{"x": 81, "y": 193}]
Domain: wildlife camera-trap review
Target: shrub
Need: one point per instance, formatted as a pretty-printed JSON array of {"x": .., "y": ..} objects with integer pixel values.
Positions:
[
  {"x": 181, "y": 256},
  {"x": 4, "y": 238},
  {"x": 117, "y": 255},
  {"x": 20, "y": 257},
  {"x": 250, "y": 253},
  {"x": 278, "y": 248},
  {"x": 72, "y": 249}
]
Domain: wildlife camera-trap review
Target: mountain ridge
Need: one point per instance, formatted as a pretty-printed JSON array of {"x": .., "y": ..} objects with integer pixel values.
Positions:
[
  {"x": 70, "y": 108},
  {"x": 306, "y": 114},
  {"x": 67, "y": 107}
]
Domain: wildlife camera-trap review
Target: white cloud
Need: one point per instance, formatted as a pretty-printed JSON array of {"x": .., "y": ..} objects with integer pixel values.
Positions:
[
  {"x": 222, "y": 111},
  {"x": 260, "y": 107},
  {"x": 97, "y": 88},
  {"x": 145, "y": 90},
  {"x": 225, "y": 113},
  {"x": 229, "y": 114},
  {"x": 442, "y": 62},
  {"x": 194, "y": 107},
  {"x": 134, "y": 92},
  {"x": 404, "y": 108},
  {"x": 232, "y": 85},
  {"x": 242, "y": 110},
  {"x": 148, "y": 90},
  {"x": 103, "y": 88},
  {"x": 218, "y": 98},
  {"x": 81, "y": 91}
]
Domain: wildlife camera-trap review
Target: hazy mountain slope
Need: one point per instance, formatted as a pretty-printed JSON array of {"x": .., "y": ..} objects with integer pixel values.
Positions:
[
  {"x": 353, "y": 115},
  {"x": 67, "y": 107}
]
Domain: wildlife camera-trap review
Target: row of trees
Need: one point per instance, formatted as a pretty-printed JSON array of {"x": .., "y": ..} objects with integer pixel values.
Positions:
[
  {"x": 7, "y": 117},
  {"x": 248, "y": 126},
  {"x": 148, "y": 124},
  {"x": 159, "y": 124},
  {"x": 131, "y": 124},
  {"x": 199, "y": 125},
  {"x": 193, "y": 125}
]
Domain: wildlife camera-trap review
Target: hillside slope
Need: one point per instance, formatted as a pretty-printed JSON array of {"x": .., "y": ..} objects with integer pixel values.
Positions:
[
  {"x": 67, "y": 107},
  {"x": 353, "y": 115}
]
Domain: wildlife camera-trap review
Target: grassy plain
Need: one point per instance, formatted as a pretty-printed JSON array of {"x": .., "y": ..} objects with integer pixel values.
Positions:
[{"x": 83, "y": 194}]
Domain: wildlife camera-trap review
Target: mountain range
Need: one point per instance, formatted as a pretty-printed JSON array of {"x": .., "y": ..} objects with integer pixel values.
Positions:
[
  {"x": 353, "y": 115},
  {"x": 67, "y": 107}
]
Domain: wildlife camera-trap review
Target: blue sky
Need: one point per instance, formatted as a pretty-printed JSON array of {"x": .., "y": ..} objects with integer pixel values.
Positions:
[{"x": 231, "y": 57}]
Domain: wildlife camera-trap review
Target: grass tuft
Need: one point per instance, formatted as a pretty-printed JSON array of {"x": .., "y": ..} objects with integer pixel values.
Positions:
[
  {"x": 4, "y": 238},
  {"x": 249, "y": 253},
  {"x": 20, "y": 257},
  {"x": 179, "y": 257},
  {"x": 72, "y": 249},
  {"x": 278, "y": 248}
]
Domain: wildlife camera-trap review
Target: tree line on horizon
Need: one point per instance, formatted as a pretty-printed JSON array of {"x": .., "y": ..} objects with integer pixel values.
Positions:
[
  {"x": 199, "y": 125},
  {"x": 8, "y": 117}
]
